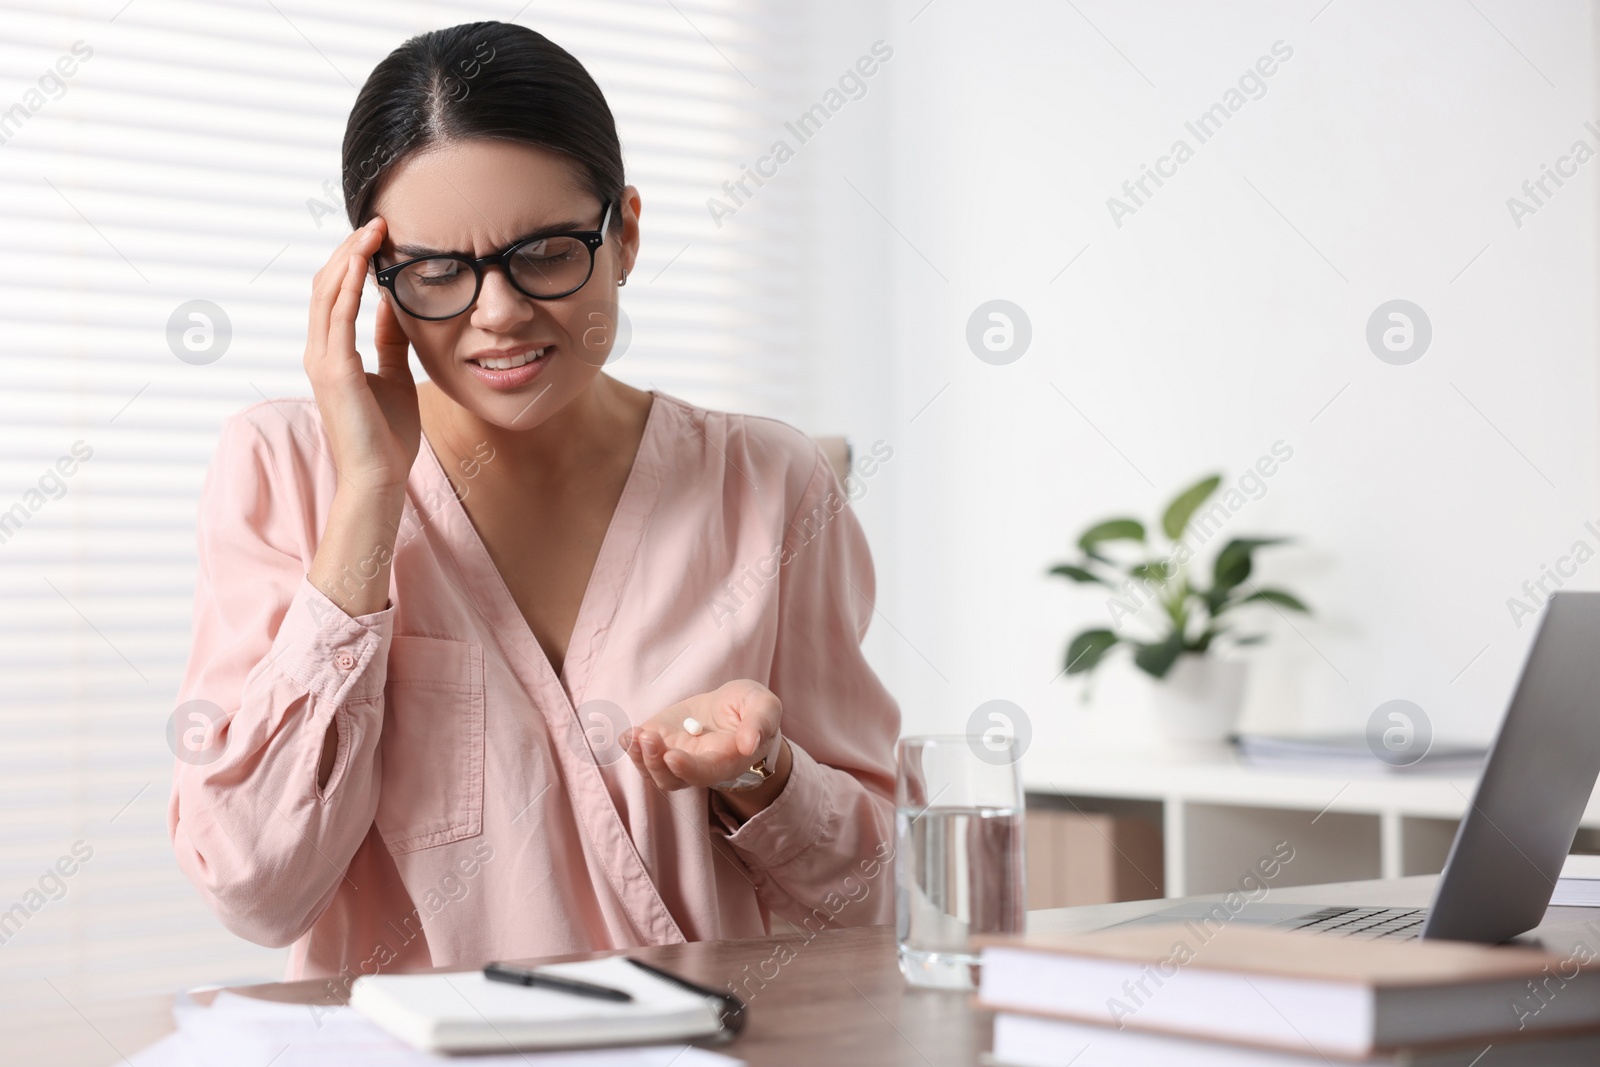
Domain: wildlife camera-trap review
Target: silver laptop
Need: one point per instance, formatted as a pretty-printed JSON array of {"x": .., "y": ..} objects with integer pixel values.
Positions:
[{"x": 1510, "y": 846}]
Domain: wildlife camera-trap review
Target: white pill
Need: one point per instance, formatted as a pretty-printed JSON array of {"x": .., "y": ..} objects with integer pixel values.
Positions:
[{"x": 692, "y": 726}]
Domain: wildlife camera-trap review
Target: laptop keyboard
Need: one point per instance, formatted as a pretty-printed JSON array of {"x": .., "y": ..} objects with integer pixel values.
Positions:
[{"x": 1366, "y": 923}]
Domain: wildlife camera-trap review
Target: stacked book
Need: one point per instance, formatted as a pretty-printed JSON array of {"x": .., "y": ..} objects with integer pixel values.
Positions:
[{"x": 1205, "y": 994}]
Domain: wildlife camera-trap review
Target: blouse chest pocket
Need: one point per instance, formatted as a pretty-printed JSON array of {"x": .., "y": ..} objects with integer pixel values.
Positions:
[{"x": 432, "y": 743}]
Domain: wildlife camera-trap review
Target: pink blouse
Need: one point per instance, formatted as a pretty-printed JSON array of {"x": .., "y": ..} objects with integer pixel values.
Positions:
[{"x": 480, "y": 805}]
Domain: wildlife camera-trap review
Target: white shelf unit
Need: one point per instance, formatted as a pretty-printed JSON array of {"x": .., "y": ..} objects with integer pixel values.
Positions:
[{"x": 1220, "y": 818}]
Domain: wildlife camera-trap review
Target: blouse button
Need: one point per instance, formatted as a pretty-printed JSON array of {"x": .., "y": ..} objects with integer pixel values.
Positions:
[{"x": 344, "y": 661}]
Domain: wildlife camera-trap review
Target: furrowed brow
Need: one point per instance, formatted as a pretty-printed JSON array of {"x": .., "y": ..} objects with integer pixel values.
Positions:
[{"x": 410, "y": 251}]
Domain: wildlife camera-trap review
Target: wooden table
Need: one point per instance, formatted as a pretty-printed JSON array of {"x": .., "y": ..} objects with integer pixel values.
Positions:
[{"x": 840, "y": 1000}]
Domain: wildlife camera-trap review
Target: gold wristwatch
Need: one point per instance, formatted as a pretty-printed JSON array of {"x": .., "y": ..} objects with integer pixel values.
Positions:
[{"x": 759, "y": 772}]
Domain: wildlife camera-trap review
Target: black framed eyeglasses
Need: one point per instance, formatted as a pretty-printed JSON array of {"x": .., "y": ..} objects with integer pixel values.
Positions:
[{"x": 544, "y": 268}]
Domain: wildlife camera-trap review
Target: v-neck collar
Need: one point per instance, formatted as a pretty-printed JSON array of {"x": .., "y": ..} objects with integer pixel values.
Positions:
[
  {"x": 602, "y": 594},
  {"x": 485, "y": 589}
]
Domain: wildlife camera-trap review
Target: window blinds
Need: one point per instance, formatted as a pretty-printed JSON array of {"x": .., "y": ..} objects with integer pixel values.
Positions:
[{"x": 159, "y": 152}]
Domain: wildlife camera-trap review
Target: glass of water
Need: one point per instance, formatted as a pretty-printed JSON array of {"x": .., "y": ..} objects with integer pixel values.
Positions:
[{"x": 958, "y": 853}]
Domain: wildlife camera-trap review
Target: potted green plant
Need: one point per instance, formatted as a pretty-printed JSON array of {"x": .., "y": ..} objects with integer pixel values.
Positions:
[{"x": 1199, "y": 693}]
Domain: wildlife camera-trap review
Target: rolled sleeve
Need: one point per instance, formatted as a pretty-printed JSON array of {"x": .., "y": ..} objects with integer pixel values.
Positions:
[
  {"x": 796, "y": 820},
  {"x": 330, "y": 653}
]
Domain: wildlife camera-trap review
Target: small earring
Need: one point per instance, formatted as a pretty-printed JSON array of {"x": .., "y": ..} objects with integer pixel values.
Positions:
[{"x": 624, "y": 279}]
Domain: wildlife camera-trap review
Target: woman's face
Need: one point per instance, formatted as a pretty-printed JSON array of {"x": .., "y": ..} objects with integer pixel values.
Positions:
[{"x": 476, "y": 198}]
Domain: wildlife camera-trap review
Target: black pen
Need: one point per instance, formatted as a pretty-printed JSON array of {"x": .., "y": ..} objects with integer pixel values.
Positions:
[
  {"x": 731, "y": 1011},
  {"x": 499, "y": 972}
]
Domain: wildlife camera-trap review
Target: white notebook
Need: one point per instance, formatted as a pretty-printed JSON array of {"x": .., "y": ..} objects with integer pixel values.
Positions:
[{"x": 463, "y": 1011}]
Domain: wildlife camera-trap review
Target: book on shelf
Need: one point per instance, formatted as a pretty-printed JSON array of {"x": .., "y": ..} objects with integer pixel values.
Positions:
[{"x": 1290, "y": 990}]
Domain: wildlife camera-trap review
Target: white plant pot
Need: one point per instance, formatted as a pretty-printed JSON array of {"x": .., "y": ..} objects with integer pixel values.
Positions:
[{"x": 1197, "y": 704}]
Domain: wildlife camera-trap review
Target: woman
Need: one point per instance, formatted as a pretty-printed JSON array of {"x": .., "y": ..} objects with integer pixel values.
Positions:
[{"x": 454, "y": 632}]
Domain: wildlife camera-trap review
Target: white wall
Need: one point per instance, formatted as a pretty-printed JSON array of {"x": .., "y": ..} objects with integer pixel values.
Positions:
[
  {"x": 976, "y": 165},
  {"x": 1220, "y": 318}
]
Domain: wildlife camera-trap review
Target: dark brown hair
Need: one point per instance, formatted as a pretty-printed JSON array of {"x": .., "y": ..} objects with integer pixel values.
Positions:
[{"x": 479, "y": 79}]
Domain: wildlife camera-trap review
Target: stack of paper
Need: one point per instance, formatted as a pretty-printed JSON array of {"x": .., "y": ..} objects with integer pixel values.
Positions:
[
  {"x": 238, "y": 1031},
  {"x": 1579, "y": 885},
  {"x": 1350, "y": 754}
]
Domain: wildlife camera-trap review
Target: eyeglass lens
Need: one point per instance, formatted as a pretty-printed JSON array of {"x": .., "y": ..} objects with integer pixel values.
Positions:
[{"x": 549, "y": 267}]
